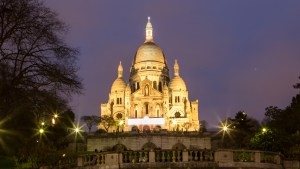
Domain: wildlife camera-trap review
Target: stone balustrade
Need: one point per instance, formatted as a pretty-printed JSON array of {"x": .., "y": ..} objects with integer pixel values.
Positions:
[{"x": 171, "y": 158}]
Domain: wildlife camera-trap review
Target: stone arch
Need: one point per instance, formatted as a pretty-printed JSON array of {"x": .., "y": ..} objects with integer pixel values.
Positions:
[
  {"x": 146, "y": 128},
  {"x": 157, "y": 128},
  {"x": 178, "y": 146},
  {"x": 134, "y": 128},
  {"x": 149, "y": 146},
  {"x": 119, "y": 147}
]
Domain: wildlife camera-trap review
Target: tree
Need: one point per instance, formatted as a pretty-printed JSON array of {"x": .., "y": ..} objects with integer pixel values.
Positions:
[
  {"x": 107, "y": 122},
  {"x": 90, "y": 121},
  {"x": 37, "y": 69},
  {"x": 285, "y": 123},
  {"x": 243, "y": 128},
  {"x": 203, "y": 126},
  {"x": 268, "y": 140}
]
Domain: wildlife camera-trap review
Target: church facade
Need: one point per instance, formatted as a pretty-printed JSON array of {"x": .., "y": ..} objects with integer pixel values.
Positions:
[{"x": 150, "y": 100}]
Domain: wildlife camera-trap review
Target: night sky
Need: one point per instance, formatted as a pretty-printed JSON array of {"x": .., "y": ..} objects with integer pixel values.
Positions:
[{"x": 233, "y": 55}]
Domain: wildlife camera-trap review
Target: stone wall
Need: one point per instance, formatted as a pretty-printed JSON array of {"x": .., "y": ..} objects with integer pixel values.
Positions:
[{"x": 136, "y": 142}]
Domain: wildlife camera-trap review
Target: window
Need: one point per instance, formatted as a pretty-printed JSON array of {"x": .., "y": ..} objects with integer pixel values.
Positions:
[
  {"x": 157, "y": 113},
  {"x": 135, "y": 114},
  {"x": 137, "y": 85},
  {"x": 155, "y": 85},
  {"x": 119, "y": 116},
  {"x": 177, "y": 99},
  {"x": 119, "y": 100},
  {"x": 148, "y": 67},
  {"x": 147, "y": 107},
  {"x": 177, "y": 114},
  {"x": 160, "y": 86},
  {"x": 142, "y": 67},
  {"x": 154, "y": 67}
]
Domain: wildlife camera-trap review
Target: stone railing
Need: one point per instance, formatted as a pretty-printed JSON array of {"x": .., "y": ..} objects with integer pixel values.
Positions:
[{"x": 164, "y": 158}]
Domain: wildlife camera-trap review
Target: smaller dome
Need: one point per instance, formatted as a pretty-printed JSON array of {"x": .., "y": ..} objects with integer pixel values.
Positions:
[
  {"x": 177, "y": 83},
  {"x": 118, "y": 85}
]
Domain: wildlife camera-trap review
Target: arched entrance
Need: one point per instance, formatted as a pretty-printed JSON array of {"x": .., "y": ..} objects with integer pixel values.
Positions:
[
  {"x": 146, "y": 128},
  {"x": 134, "y": 128}
]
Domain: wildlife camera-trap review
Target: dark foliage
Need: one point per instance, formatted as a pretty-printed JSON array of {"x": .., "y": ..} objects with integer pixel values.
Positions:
[{"x": 37, "y": 75}]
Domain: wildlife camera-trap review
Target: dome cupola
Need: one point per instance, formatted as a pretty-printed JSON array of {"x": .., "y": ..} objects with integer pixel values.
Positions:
[
  {"x": 119, "y": 84},
  {"x": 149, "y": 51},
  {"x": 177, "y": 83}
]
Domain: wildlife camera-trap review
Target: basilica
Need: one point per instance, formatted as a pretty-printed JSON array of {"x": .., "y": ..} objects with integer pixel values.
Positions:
[{"x": 151, "y": 100}]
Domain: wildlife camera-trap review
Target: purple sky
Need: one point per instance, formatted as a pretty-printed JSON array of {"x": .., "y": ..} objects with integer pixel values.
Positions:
[{"x": 233, "y": 55}]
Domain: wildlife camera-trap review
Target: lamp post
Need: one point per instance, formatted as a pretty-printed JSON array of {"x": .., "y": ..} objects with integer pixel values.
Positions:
[
  {"x": 55, "y": 116},
  {"x": 76, "y": 130}
]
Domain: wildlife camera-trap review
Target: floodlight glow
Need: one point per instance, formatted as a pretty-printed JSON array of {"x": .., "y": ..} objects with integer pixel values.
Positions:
[
  {"x": 174, "y": 122},
  {"x": 41, "y": 131},
  {"x": 121, "y": 122},
  {"x": 43, "y": 123},
  {"x": 264, "y": 130},
  {"x": 77, "y": 130},
  {"x": 148, "y": 121},
  {"x": 55, "y": 115},
  {"x": 225, "y": 128}
]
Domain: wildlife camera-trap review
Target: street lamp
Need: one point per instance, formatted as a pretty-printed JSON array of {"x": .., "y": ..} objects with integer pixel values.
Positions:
[
  {"x": 41, "y": 131},
  {"x": 121, "y": 123},
  {"x": 76, "y": 131},
  {"x": 55, "y": 116},
  {"x": 225, "y": 128}
]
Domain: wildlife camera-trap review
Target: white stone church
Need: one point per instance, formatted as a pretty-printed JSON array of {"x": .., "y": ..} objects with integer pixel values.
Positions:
[{"x": 151, "y": 100}]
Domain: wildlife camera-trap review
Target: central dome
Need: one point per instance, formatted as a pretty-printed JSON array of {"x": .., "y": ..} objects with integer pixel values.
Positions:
[{"x": 149, "y": 51}]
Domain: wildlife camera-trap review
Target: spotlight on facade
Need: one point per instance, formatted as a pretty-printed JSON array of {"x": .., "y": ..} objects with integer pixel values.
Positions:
[{"x": 174, "y": 122}]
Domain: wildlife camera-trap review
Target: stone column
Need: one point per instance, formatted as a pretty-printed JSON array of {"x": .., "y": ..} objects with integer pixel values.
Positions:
[
  {"x": 151, "y": 156},
  {"x": 185, "y": 156},
  {"x": 80, "y": 161},
  {"x": 120, "y": 158},
  {"x": 257, "y": 157}
]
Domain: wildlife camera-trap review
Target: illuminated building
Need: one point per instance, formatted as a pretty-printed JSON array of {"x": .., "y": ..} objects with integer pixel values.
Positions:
[{"x": 151, "y": 100}]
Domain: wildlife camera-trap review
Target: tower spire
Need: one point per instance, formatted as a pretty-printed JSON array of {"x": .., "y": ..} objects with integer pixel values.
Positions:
[
  {"x": 120, "y": 70},
  {"x": 149, "y": 31},
  {"x": 176, "y": 68}
]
